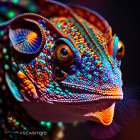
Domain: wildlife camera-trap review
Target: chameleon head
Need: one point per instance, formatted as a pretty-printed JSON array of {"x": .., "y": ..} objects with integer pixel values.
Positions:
[{"x": 66, "y": 66}]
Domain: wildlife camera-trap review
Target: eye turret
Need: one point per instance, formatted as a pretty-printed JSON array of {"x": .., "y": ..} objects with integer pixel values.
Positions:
[
  {"x": 64, "y": 55},
  {"x": 120, "y": 50},
  {"x": 64, "y": 58},
  {"x": 116, "y": 48}
]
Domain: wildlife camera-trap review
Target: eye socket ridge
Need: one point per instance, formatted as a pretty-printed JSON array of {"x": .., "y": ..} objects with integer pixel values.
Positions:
[{"x": 64, "y": 41}]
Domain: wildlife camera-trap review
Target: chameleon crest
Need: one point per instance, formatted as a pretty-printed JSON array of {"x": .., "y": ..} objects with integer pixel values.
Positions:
[{"x": 66, "y": 63}]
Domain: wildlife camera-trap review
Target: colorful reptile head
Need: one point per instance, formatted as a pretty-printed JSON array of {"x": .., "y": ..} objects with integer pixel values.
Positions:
[{"x": 66, "y": 64}]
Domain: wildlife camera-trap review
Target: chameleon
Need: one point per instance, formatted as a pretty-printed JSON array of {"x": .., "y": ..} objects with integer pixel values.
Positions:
[{"x": 61, "y": 63}]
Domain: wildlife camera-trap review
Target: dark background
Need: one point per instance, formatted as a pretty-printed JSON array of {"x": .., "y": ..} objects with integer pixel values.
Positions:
[{"x": 124, "y": 18}]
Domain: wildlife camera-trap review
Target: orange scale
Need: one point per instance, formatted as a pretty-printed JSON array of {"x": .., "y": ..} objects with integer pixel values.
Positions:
[
  {"x": 37, "y": 62},
  {"x": 21, "y": 85},
  {"x": 30, "y": 86},
  {"x": 42, "y": 65},
  {"x": 29, "y": 92},
  {"x": 80, "y": 77},
  {"x": 27, "y": 83},
  {"x": 47, "y": 81},
  {"x": 33, "y": 90},
  {"x": 58, "y": 96},
  {"x": 45, "y": 78},
  {"x": 44, "y": 51},
  {"x": 22, "y": 90},
  {"x": 30, "y": 75},
  {"x": 42, "y": 85},
  {"x": 26, "y": 88}
]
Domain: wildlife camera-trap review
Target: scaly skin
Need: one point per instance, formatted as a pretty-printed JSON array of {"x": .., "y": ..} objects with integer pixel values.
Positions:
[{"x": 80, "y": 82}]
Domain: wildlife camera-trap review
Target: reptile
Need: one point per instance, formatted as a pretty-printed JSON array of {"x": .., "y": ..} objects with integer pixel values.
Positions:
[{"x": 60, "y": 63}]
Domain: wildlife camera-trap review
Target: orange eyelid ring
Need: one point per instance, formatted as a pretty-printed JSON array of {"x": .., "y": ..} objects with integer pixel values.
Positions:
[
  {"x": 110, "y": 45},
  {"x": 64, "y": 55},
  {"x": 120, "y": 50}
]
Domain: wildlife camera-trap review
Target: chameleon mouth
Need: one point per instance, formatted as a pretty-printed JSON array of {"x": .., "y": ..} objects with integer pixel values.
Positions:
[
  {"x": 105, "y": 116},
  {"x": 103, "y": 113},
  {"x": 91, "y": 93},
  {"x": 93, "y": 111}
]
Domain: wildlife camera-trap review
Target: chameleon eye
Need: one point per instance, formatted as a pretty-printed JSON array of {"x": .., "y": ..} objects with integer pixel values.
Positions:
[
  {"x": 63, "y": 52},
  {"x": 64, "y": 56},
  {"x": 27, "y": 37},
  {"x": 60, "y": 74},
  {"x": 120, "y": 50}
]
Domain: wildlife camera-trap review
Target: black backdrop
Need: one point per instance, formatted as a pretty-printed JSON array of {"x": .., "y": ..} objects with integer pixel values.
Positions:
[{"x": 124, "y": 17}]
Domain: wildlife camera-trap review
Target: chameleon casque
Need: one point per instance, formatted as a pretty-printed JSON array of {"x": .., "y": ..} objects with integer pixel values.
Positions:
[{"x": 60, "y": 62}]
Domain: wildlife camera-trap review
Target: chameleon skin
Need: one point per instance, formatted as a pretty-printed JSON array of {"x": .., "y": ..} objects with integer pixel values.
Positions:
[
  {"x": 93, "y": 76},
  {"x": 92, "y": 79}
]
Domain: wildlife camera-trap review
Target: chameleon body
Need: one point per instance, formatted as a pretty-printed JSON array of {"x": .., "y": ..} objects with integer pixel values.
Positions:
[{"x": 64, "y": 63}]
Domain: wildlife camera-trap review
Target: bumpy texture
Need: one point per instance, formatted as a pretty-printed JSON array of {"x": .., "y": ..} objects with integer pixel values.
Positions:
[{"x": 61, "y": 61}]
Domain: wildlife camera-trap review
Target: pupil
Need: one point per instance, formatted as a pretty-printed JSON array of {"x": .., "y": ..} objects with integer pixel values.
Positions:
[
  {"x": 64, "y": 52},
  {"x": 59, "y": 73},
  {"x": 120, "y": 49}
]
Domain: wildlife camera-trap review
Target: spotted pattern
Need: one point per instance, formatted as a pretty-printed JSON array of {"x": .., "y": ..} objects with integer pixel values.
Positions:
[{"x": 94, "y": 74}]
